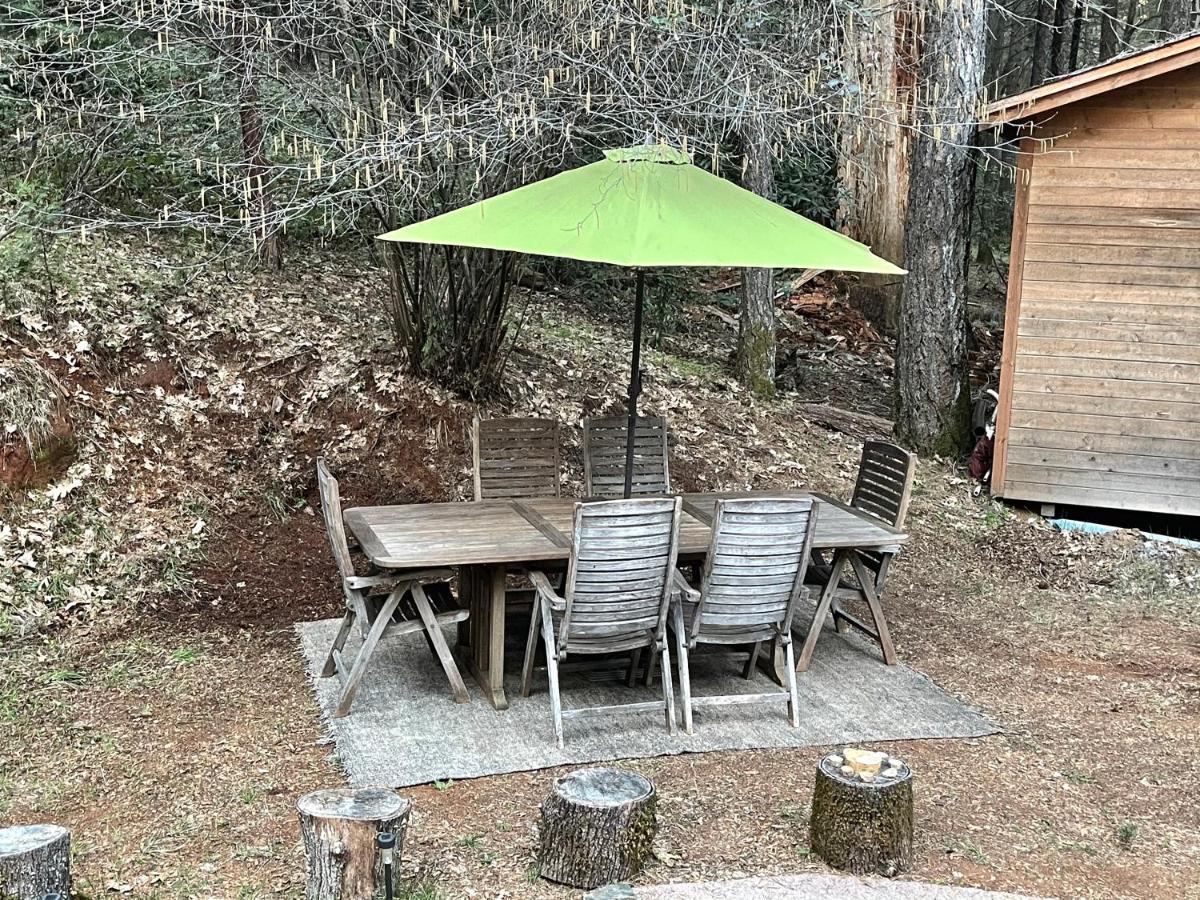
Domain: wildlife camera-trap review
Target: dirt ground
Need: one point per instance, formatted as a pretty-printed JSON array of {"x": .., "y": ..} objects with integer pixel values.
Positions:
[{"x": 174, "y": 732}]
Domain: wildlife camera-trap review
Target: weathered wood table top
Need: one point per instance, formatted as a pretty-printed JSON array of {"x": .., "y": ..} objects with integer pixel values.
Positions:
[
  {"x": 497, "y": 532},
  {"x": 484, "y": 537}
]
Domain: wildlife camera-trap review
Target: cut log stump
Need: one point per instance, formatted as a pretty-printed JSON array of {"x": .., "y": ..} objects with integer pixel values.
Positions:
[
  {"x": 35, "y": 860},
  {"x": 597, "y": 827},
  {"x": 862, "y": 813},
  {"x": 339, "y": 828}
]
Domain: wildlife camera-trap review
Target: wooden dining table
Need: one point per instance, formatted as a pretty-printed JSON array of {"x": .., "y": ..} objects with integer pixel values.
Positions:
[{"x": 485, "y": 539}]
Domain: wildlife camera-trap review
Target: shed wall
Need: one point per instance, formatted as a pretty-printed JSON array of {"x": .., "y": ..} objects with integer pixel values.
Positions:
[{"x": 1101, "y": 379}]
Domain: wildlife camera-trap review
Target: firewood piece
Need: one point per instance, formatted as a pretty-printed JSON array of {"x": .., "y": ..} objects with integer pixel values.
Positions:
[
  {"x": 35, "y": 860},
  {"x": 597, "y": 827},
  {"x": 339, "y": 828},
  {"x": 862, "y": 813}
]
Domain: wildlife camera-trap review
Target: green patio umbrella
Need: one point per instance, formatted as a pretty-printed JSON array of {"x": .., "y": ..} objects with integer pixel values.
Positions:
[{"x": 642, "y": 207}]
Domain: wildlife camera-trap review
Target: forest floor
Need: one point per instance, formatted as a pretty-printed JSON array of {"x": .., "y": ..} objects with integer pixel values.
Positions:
[{"x": 153, "y": 699}]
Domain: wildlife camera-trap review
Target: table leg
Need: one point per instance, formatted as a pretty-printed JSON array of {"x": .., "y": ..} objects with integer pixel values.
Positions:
[
  {"x": 823, "y": 606},
  {"x": 484, "y": 590}
]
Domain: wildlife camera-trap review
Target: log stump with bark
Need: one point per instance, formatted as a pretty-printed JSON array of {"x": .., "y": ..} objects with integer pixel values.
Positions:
[
  {"x": 35, "y": 860},
  {"x": 339, "y": 828},
  {"x": 597, "y": 827},
  {"x": 862, "y": 813}
]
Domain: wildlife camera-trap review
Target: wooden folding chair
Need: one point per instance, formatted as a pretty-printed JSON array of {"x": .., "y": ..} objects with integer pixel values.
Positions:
[
  {"x": 604, "y": 456},
  {"x": 882, "y": 490},
  {"x": 397, "y": 603},
  {"x": 617, "y": 593},
  {"x": 516, "y": 458},
  {"x": 752, "y": 582}
]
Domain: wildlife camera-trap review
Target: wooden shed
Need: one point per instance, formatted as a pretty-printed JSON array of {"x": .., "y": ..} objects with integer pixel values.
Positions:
[{"x": 1100, "y": 374}]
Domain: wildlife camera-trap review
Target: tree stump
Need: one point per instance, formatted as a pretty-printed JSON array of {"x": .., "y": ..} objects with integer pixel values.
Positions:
[
  {"x": 35, "y": 860},
  {"x": 597, "y": 827},
  {"x": 339, "y": 828},
  {"x": 862, "y": 813}
]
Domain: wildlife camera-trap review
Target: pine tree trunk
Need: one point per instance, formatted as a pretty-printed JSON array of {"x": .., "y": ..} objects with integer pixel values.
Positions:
[
  {"x": 1040, "y": 56},
  {"x": 756, "y": 326},
  {"x": 1174, "y": 16},
  {"x": 1110, "y": 29},
  {"x": 1058, "y": 40},
  {"x": 874, "y": 154},
  {"x": 1077, "y": 21},
  {"x": 35, "y": 860},
  {"x": 933, "y": 401}
]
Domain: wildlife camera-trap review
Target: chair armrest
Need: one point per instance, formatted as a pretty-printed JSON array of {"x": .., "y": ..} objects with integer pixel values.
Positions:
[
  {"x": 544, "y": 589},
  {"x": 362, "y": 582},
  {"x": 391, "y": 579},
  {"x": 685, "y": 590}
]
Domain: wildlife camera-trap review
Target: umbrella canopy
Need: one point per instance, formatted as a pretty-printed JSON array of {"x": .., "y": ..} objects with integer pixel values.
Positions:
[{"x": 641, "y": 207}]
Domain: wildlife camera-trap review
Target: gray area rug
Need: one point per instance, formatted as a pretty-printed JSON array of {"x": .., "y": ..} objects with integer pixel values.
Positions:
[{"x": 405, "y": 727}]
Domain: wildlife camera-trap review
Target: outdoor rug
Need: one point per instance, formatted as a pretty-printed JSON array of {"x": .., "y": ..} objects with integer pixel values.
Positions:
[{"x": 405, "y": 727}]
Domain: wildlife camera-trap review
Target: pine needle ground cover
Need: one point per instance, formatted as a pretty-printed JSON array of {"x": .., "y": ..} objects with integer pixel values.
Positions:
[{"x": 152, "y": 699}]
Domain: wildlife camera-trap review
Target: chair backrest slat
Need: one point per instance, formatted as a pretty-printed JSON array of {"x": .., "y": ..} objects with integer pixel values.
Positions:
[
  {"x": 884, "y": 482},
  {"x": 335, "y": 528},
  {"x": 604, "y": 456},
  {"x": 517, "y": 458},
  {"x": 623, "y": 555},
  {"x": 754, "y": 571},
  {"x": 883, "y": 487}
]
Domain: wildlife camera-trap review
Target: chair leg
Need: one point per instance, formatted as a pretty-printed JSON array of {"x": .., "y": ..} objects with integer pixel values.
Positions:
[
  {"x": 367, "y": 650},
  {"x": 434, "y": 632},
  {"x": 872, "y": 597},
  {"x": 531, "y": 647},
  {"x": 814, "y": 630},
  {"x": 651, "y": 668},
  {"x": 748, "y": 672},
  {"x": 793, "y": 689},
  {"x": 635, "y": 663},
  {"x": 685, "y": 674},
  {"x": 668, "y": 688},
  {"x": 552, "y": 674},
  {"x": 330, "y": 667}
]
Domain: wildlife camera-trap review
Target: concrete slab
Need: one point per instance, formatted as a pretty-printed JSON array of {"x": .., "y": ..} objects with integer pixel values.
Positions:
[{"x": 816, "y": 887}]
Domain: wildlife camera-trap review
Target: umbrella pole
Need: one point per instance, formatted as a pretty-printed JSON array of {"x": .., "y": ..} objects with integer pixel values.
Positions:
[{"x": 635, "y": 379}]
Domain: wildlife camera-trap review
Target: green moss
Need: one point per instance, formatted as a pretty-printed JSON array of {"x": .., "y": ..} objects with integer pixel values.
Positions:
[{"x": 755, "y": 359}]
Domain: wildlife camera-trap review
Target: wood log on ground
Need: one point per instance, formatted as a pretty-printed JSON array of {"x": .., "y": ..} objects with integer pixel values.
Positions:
[
  {"x": 862, "y": 813},
  {"x": 597, "y": 827},
  {"x": 339, "y": 828},
  {"x": 35, "y": 860}
]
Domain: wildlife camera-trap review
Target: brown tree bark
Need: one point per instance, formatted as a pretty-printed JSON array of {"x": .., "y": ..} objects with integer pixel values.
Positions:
[
  {"x": 1110, "y": 29},
  {"x": 1077, "y": 20},
  {"x": 1175, "y": 17},
  {"x": 339, "y": 828},
  {"x": 933, "y": 401},
  {"x": 873, "y": 171},
  {"x": 1058, "y": 37},
  {"x": 859, "y": 825},
  {"x": 35, "y": 860},
  {"x": 1040, "y": 56},
  {"x": 270, "y": 250},
  {"x": 756, "y": 325},
  {"x": 597, "y": 827}
]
